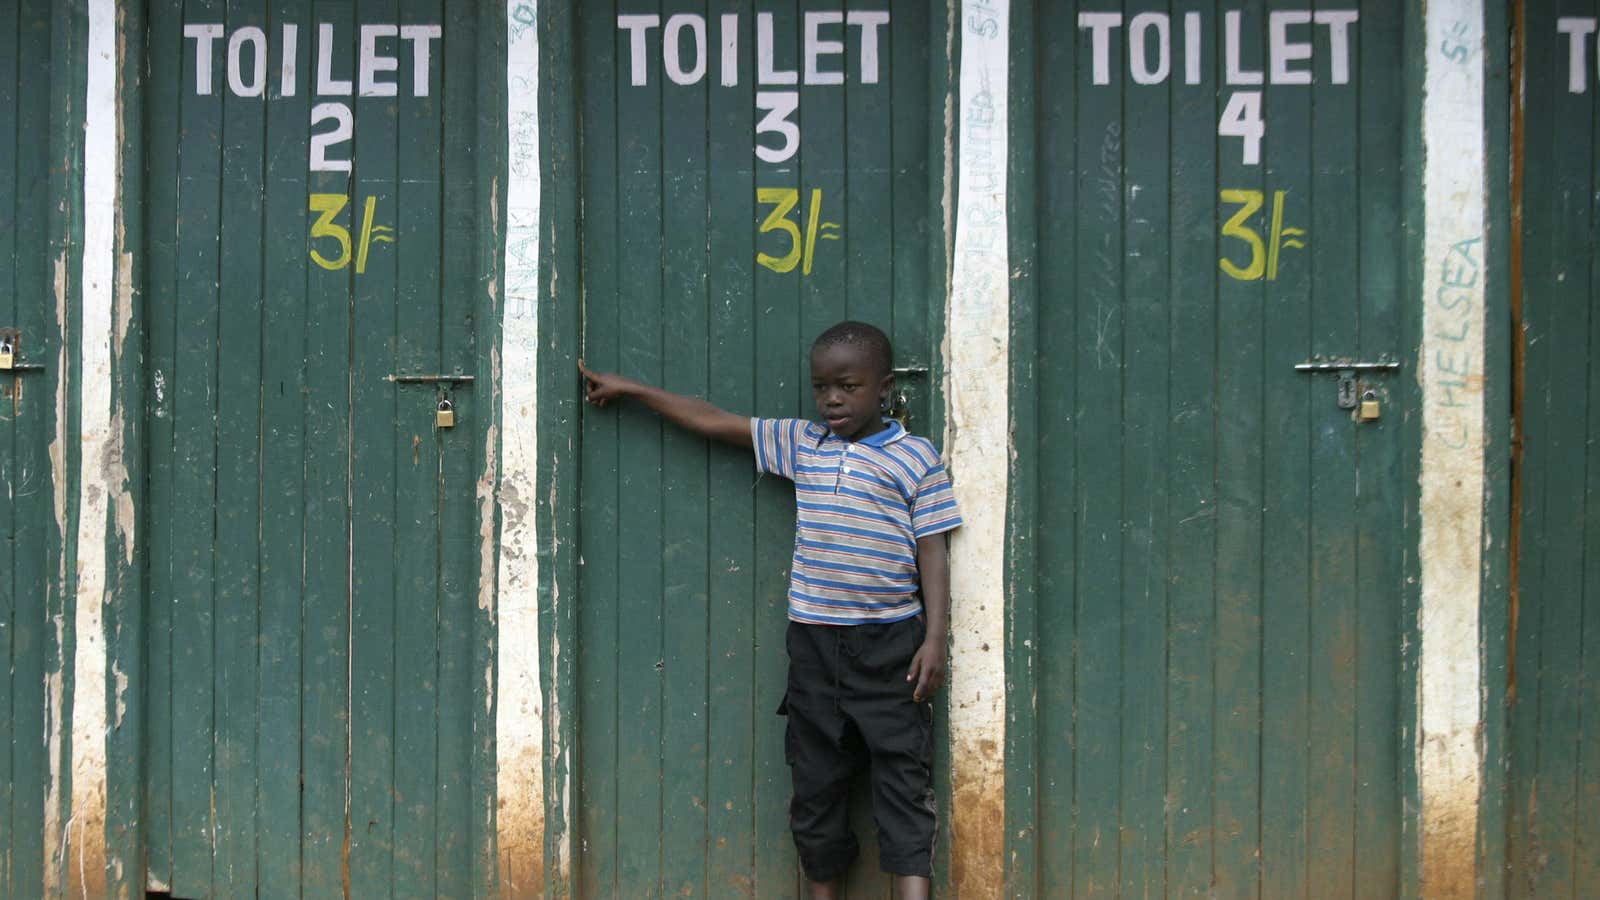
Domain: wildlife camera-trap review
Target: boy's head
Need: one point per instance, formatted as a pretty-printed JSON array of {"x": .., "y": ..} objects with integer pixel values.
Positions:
[
  {"x": 868, "y": 339},
  {"x": 852, "y": 373}
]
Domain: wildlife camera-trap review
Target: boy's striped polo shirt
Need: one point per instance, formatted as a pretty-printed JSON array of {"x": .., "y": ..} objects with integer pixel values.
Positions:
[{"x": 859, "y": 508}]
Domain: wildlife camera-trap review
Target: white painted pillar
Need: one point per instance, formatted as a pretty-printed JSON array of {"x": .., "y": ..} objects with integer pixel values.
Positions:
[
  {"x": 978, "y": 451},
  {"x": 519, "y": 727},
  {"x": 1450, "y": 698}
]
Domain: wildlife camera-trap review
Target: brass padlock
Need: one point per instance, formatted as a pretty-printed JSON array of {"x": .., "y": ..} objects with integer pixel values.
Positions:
[
  {"x": 1369, "y": 406},
  {"x": 446, "y": 415},
  {"x": 8, "y": 355},
  {"x": 900, "y": 409}
]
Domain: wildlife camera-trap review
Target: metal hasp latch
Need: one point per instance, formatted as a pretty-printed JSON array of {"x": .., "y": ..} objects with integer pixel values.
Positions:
[
  {"x": 900, "y": 401},
  {"x": 444, "y": 415},
  {"x": 1350, "y": 393},
  {"x": 11, "y": 353}
]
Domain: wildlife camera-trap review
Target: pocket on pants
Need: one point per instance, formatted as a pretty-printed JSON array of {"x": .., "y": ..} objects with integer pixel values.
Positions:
[{"x": 788, "y": 731}]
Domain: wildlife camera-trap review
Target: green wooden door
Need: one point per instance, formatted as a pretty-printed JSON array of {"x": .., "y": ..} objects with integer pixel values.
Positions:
[
  {"x": 37, "y": 169},
  {"x": 718, "y": 239},
  {"x": 313, "y": 217},
  {"x": 1554, "y": 785},
  {"x": 1206, "y": 656}
]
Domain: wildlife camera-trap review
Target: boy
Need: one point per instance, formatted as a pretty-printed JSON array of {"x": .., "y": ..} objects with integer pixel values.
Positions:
[{"x": 873, "y": 506}]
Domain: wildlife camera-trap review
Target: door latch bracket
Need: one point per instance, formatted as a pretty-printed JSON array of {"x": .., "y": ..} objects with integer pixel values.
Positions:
[{"x": 1346, "y": 371}]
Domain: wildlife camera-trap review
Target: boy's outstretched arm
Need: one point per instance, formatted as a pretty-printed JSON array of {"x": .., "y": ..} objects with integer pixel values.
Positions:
[
  {"x": 688, "y": 412},
  {"x": 933, "y": 566}
]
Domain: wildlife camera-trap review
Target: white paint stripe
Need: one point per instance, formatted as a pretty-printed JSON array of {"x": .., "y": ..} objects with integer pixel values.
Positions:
[
  {"x": 977, "y": 441},
  {"x": 520, "y": 727},
  {"x": 103, "y": 473},
  {"x": 1449, "y": 703}
]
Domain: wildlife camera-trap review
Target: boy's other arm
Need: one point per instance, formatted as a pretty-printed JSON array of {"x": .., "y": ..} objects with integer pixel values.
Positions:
[
  {"x": 933, "y": 567},
  {"x": 687, "y": 412}
]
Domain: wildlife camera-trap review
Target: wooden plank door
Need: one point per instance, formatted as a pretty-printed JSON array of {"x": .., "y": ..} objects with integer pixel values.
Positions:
[
  {"x": 1208, "y": 656},
  {"x": 728, "y": 217},
  {"x": 37, "y": 41},
  {"x": 313, "y": 225},
  {"x": 1554, "y": 784}
]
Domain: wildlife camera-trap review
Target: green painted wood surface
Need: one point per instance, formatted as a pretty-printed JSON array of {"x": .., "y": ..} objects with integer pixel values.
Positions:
[
  {"x": 1553, "y": 787},
  {"x": 1206, "y": 636},
  {"x": 1023, "y": 658},
  {"x": 310, "y": 646},
  {"x": 126, "y": 609},
  {"x": 1379, "y": 811},
  {"x": 59, "y": 317},
  {"x": 682, "y": 786},
  {"x": 1495, "y": 608},
  {"x": 34, "y": 53}
]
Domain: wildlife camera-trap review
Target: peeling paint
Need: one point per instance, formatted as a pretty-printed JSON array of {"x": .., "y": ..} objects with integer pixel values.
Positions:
[
  {"x": 519, "y": 724},
  {"x": 55, "y": 676},
  {"x": 977, "y": 442},
  {"x": 1450, "y": 705}
]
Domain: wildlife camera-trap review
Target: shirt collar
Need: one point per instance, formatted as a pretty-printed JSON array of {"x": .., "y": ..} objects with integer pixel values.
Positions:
[{"x": 893, "y": 432}]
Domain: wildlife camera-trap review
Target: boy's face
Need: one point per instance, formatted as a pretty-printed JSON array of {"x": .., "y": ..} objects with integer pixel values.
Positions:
[{"x": 849, "y": 388}]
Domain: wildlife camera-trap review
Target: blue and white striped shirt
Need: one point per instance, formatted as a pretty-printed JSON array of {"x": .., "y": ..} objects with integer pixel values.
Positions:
[{"x": 859, "y": 509}]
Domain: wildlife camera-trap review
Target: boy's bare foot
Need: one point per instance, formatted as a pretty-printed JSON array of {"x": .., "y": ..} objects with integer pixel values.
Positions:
[{"x": 912, "y": 887}]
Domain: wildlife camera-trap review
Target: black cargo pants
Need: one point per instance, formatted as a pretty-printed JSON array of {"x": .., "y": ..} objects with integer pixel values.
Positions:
[{"x": 848, "y": 705}]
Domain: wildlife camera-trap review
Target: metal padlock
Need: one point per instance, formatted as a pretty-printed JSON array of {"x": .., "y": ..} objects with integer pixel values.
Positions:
[
  {"x": 8, "y": 355},
  {"x": 900, "y": 409},
  {"x": 445, "y": 417},
  {"x": 1369, "y": 406}
]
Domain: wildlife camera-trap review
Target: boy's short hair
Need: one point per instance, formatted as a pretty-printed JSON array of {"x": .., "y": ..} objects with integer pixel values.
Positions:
[{"x": 868, "y": 337}]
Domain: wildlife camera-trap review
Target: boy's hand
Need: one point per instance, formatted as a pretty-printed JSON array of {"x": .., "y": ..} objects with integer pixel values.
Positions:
[
  {"x": 599, "y": 387},
  {"x": 927, "y": 670},
  {"x": 688, "y": 412}
]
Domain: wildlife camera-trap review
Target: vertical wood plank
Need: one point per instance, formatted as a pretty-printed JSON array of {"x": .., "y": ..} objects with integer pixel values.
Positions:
[
  {"x": 1567, "y": 290},
  {"x": 239, "y": 485},
  {"x": 782, "y": 388},
  {"x": 30, "y": 638},
  {"x": 164, "y": 101},
  {"x": 490, "y": 140},
  {"x": 1064, "y": 241},
  {"x": 1538, "y": 176},
  {"x": 284, "y": 428},
  {"x": 1333, "y": 262},
  {"x": 1099, "y": 359},
  {"x": 1238, "y": 824},
  {"x": 599, "y": 689},
  {"x": 640, "y": 613},
  {"x": 1584, "y": 680},
  {"x": 1378, "y": 743},
  {"x": 1145, "y": 389},
  {"x": 12, "y": 434},
  {"x": 685, "y": 514},
  {"x": 865, "y": 202},
  {"x": 1024, "y": 177},
  {"x": 1287, "y": 477},
  {"x": 1193, "y": 504},
  {"x": 456, "y": 81},
  {"x": 419, "y": 311},
  {"x": 737, "y": 711},
  {"x": 325, "y": 703},
  {"x": 194, "y": 388},
  {"x": 377, "y": 427},
  {"x": 684, "y": 506},
  {"x": 917, "y": 241}
]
